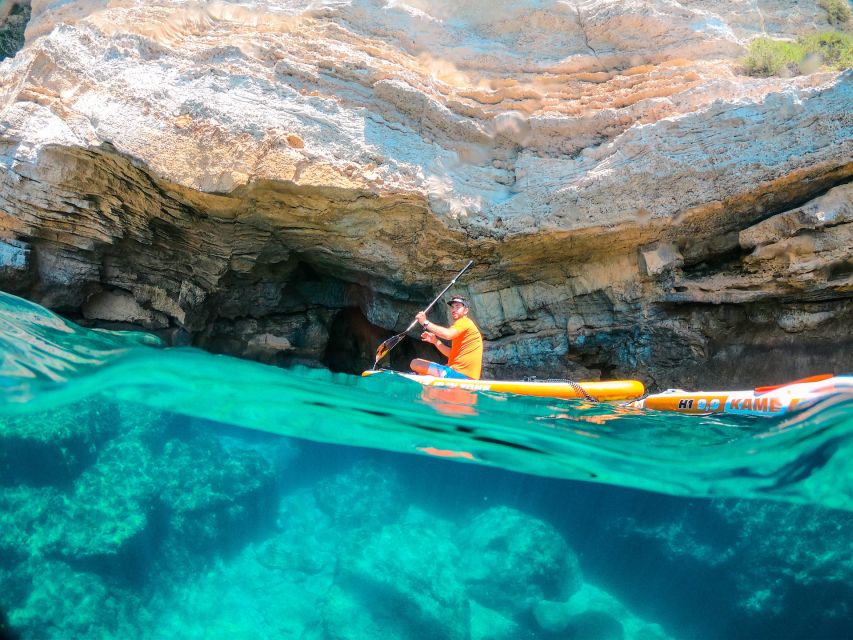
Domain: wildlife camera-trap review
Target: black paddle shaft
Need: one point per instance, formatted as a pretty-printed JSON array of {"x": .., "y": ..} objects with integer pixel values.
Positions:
[{"x": 392, "y": 342}]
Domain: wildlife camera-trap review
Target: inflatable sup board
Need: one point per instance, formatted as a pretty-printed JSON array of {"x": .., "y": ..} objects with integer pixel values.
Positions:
[
  {"x": 761, "y": 401},
  {"x": 610, "y": 390}
]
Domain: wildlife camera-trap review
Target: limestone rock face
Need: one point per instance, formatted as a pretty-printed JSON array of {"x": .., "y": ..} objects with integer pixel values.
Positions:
[{"x": 291, "y": 181}]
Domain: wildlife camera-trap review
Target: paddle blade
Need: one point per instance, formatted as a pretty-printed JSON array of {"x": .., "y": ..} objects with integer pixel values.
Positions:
[{"x": 386, "y": 346}]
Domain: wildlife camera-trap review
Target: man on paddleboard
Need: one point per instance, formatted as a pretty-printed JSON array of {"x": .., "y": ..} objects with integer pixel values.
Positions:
[{"x": 465, "y": 353}]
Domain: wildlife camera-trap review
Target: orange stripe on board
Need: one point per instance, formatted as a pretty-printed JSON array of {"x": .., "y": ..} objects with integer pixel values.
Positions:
[{"x": 817, "y": 378}]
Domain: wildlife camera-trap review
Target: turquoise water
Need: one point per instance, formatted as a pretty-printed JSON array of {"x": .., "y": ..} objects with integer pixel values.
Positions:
[{"x": 156, "y": 492}]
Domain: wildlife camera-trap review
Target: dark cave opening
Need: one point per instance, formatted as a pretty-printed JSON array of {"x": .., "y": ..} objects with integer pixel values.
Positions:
[{"x": 353, "y": 341}]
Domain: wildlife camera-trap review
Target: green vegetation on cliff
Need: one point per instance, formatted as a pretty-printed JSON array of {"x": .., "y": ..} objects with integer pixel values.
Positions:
[
  {"x": 838, "y": 11},
  {"x": 769, "y": 57}
]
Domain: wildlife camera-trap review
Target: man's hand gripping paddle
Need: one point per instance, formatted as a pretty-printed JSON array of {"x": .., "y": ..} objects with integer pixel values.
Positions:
[{"x": 392, "y": 342}]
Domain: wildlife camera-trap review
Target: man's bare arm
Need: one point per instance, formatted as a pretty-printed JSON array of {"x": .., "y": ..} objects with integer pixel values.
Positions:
[
  {"x": 445, "y": 333},
  {"x": 426, "y": 336}
]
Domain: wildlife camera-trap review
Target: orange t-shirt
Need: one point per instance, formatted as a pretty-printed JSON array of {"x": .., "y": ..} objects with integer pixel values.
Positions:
[{"x": 466, "y": 349}]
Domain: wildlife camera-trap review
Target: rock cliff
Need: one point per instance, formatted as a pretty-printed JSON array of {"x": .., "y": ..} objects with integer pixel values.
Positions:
[{"x": 291, "y": 181}]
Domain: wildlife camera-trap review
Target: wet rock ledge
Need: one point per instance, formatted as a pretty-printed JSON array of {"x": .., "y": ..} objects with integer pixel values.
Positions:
[{"x": 292, "y": 184}]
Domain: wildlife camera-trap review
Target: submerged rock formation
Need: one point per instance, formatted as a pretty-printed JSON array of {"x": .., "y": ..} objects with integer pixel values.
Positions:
[
  {"x": 512, "y": 562},
  {"x": 764, "y": 559},
  {"x": 406, "y": 577},
  {"x": 113, "y": 500},
  {"x": 291, "y": 184}
]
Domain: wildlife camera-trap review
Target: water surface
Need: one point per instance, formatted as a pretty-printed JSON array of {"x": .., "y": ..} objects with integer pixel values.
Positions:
[{"x": 156, "y": 492}]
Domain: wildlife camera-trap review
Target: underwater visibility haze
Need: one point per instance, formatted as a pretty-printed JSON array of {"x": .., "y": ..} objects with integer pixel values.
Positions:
[{"x": 167, "y": 492}]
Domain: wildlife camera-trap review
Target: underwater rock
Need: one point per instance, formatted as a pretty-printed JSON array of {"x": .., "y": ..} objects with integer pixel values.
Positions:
[
  {"x": 52, "y": 448},
  {"x": 512, "y": 561},
  {"x": 593, "y": 614},
  {"x": 108, "y": 522},
  {"x": 487, "y": 624},
  {"x": 243, "y": 597},
  {"x": 147, "y": 503},
  {"x": 552, "y": 616},
  {"x": 24, "y": 512},
  {"x": 102, "y": 521},
  {"x": 309, "y": 541},
  {"x": 780, "y": 570},
  {"x": 401, "y": 581},
  {"x": 366, "y": 496},
  {"x": 64, "y": 603},
  {"x": 98, "y": 523},
  {"x": 791, "y": 559},
  {"x": 273, "y": 588},
  {"x": 214, "y": 500}
]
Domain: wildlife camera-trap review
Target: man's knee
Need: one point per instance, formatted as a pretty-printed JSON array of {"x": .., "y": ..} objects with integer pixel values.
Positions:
[{"x": 419, "y": 365}]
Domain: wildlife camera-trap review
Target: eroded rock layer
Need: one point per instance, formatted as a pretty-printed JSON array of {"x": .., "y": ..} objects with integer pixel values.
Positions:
[{"x": 291, "y": 184}]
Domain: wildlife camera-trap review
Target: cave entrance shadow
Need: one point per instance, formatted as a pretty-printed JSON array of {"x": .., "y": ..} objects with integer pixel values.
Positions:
[{"x": 353, "y": 340}]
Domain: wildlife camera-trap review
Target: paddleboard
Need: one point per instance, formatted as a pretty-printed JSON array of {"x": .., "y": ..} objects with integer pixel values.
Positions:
[
  {"x": 761, "y": 401},
  {"x": 603, "y": 391}
]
